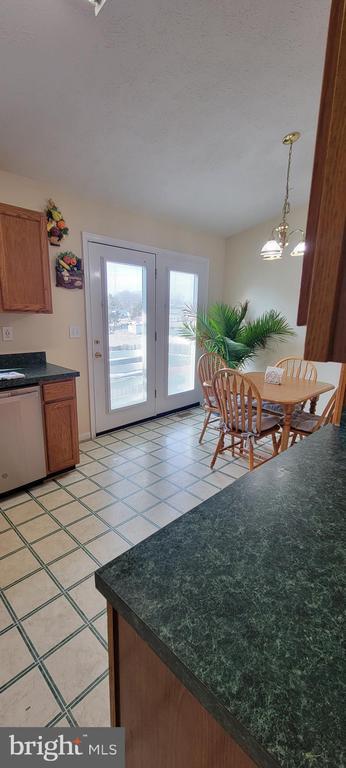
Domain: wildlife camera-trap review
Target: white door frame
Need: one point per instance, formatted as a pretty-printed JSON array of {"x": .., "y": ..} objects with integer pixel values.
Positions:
[{"x": 89, "y": 237}]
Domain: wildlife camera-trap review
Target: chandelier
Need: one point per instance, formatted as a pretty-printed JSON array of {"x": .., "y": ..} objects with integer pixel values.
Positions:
[
  {"x": 281, "y": 234},
  {"x": 98, "y": 4}
]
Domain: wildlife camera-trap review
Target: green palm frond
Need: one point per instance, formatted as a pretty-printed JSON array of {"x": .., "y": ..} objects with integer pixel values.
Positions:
[
  {"x": 258, "y": 333},
  {"x": 221, "y": 329},
  {"x": 197, "y": 326},
  {"x": 227, "y": 320}
]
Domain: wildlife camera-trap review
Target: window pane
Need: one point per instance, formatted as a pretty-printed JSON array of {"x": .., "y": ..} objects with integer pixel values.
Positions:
[
  {"x": 126, "y": 291},
  {"x": 183, "y": 289}
]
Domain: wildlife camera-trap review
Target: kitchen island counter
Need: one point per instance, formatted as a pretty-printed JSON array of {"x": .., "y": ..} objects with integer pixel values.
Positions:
[{"x": 241, "y": 599}]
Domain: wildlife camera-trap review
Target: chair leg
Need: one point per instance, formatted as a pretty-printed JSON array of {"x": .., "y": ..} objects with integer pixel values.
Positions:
[
  {"x": 275, "y": 445},
  {"x": 232, "y": 444},
  {"x": 219, "y": 447},
  {"x": 294, "y": 439},
  {"x": 205, "y": 424},
  {"x": 251, "y": 456}
]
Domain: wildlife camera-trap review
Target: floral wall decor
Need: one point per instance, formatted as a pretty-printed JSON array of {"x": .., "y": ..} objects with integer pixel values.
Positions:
[
  {"x": 69, "y": 270},
  {"x": 56, "y": 224}
]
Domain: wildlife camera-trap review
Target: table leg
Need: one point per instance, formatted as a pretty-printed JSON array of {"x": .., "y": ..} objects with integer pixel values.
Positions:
[
  {"x": 286, "y": 427},
  {"x": 313, "y": 403}
]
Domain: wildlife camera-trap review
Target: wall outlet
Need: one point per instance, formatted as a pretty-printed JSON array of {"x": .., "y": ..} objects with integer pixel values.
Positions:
[
  {"x": 74, "y": 332},
  {"x": 7, "y": 333}
]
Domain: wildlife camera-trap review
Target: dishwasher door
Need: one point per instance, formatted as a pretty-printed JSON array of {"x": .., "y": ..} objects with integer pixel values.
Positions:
[{"x": 22, "y": 447}]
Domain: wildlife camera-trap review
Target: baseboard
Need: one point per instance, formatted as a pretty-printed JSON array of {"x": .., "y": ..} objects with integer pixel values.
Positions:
[{"x": 84, "y": 436}]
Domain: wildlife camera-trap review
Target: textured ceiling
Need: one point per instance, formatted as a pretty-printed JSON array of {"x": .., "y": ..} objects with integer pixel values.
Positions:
[{"x": 174, "y": 107}]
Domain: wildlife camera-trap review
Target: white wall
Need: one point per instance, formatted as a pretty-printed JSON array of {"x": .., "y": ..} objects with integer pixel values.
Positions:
[
  {"x": 50, "y": 332},
  {"x": 270, "y": 285}
]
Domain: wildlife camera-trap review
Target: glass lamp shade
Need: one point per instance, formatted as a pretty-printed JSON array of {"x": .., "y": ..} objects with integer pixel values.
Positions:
[
  {"x": 299, "y": 250},
  {"x": 271, "y": 251}
]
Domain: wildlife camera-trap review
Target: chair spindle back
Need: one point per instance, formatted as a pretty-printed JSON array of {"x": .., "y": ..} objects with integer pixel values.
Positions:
[
  {"x": 208, "y": 364},
  {"x": 239, "y": 401},
  {"x": 298, "y": 368}
]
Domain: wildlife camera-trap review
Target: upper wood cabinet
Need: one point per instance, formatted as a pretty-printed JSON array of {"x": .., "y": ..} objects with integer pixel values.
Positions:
[
  {"x": 322, "y": 306},
  {"x": 24, "y": 263}
]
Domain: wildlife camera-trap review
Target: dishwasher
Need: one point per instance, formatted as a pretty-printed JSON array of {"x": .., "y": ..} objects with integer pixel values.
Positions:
[{"x": 22, "y": 445}]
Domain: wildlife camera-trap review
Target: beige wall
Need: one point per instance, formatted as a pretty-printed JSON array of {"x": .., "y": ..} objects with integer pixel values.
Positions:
[
  {"x": 50, "y": 332},
  {"x": 269, "y": 285}
]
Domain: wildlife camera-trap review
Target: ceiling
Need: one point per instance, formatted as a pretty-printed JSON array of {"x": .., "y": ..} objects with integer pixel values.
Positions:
[{"x": 175, "y": 108}]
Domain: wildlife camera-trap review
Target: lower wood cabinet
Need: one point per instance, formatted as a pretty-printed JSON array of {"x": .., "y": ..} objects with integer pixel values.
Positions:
[
  {"x": 61, "y": 425},
  {"x": 165, "y": 725}
]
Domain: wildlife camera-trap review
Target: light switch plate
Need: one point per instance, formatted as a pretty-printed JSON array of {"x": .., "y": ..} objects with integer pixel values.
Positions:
[
  {"x": 74, "y": 332},
  {"x": 7, "y": 333}
]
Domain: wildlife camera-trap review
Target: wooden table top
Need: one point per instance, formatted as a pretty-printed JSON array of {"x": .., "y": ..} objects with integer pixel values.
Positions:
[{"x": 290, "y": 391}]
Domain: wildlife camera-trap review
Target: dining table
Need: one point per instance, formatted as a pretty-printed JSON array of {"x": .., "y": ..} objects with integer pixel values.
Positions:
[{"x": 289, "y": 394}]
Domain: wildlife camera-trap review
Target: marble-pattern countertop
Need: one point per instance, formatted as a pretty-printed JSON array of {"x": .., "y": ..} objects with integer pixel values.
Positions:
[
  {"x": 35, "y": 368},
  {"x": 242, "y": 599}
]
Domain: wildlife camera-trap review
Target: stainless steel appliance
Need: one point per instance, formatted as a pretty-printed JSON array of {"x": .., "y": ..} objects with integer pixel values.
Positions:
[{"x": 22, "y": 447}]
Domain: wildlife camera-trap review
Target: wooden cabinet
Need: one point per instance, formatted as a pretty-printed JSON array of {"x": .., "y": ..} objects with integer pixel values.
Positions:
[
  {"x": 24, "y": 264},
  {"x": 61, "y": 424},
  {"x": 322, "y": 306},
  {"x": 165, "y": 725}
]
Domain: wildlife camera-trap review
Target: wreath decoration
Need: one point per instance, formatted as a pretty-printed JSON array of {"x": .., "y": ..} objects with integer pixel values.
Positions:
[{"x": 56, "y": 225}]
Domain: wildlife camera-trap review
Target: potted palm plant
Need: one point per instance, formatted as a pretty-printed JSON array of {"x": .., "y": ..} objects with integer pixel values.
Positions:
[{"x": 223, "y": 329}]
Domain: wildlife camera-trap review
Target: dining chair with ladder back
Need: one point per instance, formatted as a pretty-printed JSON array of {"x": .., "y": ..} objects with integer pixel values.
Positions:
[
  {"x": 304, "y": 424},
  {"x": 207, "y": 366},
  {"x": 240, "y": 406},
  {"x": 296, "y": 369}
]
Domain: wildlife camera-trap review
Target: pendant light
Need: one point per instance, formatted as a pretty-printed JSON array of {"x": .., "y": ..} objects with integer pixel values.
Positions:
[
  {"x": 273, "y": 248},
  {"x": 98, "y": 4}
]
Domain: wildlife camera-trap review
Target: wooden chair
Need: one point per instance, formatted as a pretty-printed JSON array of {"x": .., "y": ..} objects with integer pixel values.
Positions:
[
  {"x": 207, "y": 366},
  {"x": 240, "y": 406},
  {"x": 299, "y": 369},
  {"x": 304, "y": 424}
]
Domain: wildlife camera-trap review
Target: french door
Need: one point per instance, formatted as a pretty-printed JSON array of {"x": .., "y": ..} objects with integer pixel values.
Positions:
[{"x": 141, "y": 365}]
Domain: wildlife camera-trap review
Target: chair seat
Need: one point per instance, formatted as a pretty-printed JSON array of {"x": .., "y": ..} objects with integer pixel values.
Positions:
[
  {"x": 267, "y": 423},
  {"x": 304, "y": 422}
]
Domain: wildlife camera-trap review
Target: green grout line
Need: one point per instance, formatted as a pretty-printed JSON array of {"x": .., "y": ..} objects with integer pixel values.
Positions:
[{"x": 38, "y": 660}]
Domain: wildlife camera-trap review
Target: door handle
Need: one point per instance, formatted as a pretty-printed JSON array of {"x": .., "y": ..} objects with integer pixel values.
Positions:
[{"x": 98, "y": 354}]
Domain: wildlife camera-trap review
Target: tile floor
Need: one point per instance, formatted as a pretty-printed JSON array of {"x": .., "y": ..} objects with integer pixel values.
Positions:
[{"x": 129, "y": 483}]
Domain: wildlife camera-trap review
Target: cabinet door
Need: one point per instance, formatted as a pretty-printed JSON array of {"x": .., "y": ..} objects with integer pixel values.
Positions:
[
  {"x": 61, "y": 435},
  {"x": 24, "y": 264}
]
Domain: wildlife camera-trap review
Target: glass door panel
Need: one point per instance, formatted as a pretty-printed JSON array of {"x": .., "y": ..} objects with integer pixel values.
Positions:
[
  {"x": 183, "y": 293},
  {"x": 182, "y": 282},
  {"x": 127, "y": 334},
  {"x": 122, "y": 334}
]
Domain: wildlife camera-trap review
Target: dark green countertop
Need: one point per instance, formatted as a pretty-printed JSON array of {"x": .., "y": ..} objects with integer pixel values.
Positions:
[
  {"x": 35, "y": 368},
  {"x": 242, "y": 598}
]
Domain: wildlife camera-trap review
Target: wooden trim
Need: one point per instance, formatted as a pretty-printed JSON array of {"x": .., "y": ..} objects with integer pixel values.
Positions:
[
  {"x": 319, "y": 168},
  {"x": 340, "y": 396},
  {"x": 47, "y": 285},
  {"x": 113, "y": 661},
  {"x": 325, "y": 263}
]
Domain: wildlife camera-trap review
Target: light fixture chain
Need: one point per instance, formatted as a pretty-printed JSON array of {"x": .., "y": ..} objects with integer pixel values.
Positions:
[{"x": 286, "y": 205}]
